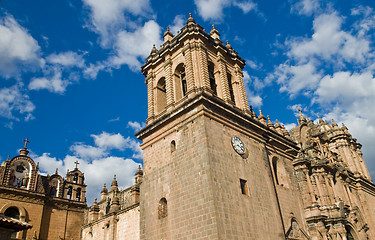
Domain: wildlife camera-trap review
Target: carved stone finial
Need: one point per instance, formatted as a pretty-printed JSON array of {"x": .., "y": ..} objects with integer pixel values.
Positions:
[
  {"x": 104, "y": 189},
  {"x": 154, "y": 50},
  {"x": 228, "y": 45},
  {"x": 190, "y": 20},
  {"x": 270, "y": 123},
  {"x": 57, "y": 171},
  {"x": 262, "y": 118},
  {"x": 114, "y": 186},
  {"x": 168, "y": 36},
  {"x": 215, "y": 33}
]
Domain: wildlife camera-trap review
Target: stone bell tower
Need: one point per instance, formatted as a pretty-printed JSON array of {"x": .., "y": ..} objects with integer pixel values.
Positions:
[{"x": 206, "y": 155}]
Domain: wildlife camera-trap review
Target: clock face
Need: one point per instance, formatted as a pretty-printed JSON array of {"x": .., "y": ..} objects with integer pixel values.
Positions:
[{"x": 238, "y": 145}]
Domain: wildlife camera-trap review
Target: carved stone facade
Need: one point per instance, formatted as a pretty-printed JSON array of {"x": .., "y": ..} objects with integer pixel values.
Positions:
[{"x": 54, "y": 206}]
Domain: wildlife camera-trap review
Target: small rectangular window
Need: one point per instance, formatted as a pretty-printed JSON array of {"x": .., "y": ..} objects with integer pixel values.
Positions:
[{"x": 244, "y": 189}]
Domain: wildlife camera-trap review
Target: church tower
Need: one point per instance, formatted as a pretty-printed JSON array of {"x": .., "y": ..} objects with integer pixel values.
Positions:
[{"x": 208, "y": 159}]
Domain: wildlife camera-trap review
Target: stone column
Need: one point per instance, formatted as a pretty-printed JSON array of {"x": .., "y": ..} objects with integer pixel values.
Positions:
[
  {"x": 169, "y": 81},
  {"x": 330, "y": 177},
  {"x": 203, "y": 66},
  {"x": 150, "y": 95},
  {"x": 223, "y": 77},
  {"x": 319, "y": 189},
  {"x": 342, "y": 148},
  {"x": 189, "y": 68},
  {"x": 357, "y": 152},
  {"x": 331, "y": 195},
  {"x": 309, "y": 184},
  {"x": 344, "y": 193},
  {"x": 349, "y": 194}
]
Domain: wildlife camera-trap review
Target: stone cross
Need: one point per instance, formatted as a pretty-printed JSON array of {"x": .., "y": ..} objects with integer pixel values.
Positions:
[
  {"x": 26, "y": 141},
  {"x": 76, "y": 162}
]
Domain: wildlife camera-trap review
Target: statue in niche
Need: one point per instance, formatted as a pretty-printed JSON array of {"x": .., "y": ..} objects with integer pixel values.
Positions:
[
  {"x": 20, "y": 168},
  {"x": 25, "y": 180},
  {"x": 13, "y": 178}
]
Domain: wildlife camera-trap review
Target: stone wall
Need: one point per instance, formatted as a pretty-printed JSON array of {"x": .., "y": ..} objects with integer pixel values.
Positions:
[{"x": 123, "y": 224}]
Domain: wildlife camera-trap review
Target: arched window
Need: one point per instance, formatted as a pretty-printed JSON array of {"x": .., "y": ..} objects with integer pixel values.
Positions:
[
  {"x": 180, "y": 81},
  {"x": 163, "y": 208},
  {"x": 280, "y": 173},
  {"x": 211, "y": 75},
  {"x": 75, "y": 178},
  {"x": 69, "y": 192},
  {"x": 161, "y": 95},
  {"x": 78, "y": 194},
  {"x": 274, "y": 166},
  {"x": 350, "y": 234},
  {"x": 173, "y": 146},
  {"x": 13, "y": 213},
  {"x": 229, "y": 77}
]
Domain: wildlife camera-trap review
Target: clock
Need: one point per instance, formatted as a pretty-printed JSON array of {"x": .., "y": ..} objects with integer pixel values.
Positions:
[{"x": 238, "y": 145}]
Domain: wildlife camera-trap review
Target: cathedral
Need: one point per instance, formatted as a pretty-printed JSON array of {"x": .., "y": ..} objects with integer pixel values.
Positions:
[
  {"x": 212, "y": 167},
  {"x": 54, "y": 207}
]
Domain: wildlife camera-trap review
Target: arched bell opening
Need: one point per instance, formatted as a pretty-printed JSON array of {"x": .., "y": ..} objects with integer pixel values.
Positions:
[
  {"x": 180, "y": 81},
  {"x": 161, "y": 95},
  {"x": 211, "y": 75}
]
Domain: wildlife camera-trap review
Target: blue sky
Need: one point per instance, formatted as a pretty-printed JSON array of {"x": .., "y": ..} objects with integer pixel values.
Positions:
[{"x": 70, "y": 76}]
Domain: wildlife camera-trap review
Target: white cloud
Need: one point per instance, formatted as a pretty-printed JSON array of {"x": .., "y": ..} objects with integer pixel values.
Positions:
[
  {"x": 17, "y": 48},
  {"x": 110, "y": 141},
  {"x": 178, "y": 22},
  {"x": 54, "y": 84},
  {"x": 294, "y": 79},
  {"x": 130, "y": 47},
  {"x": 252, "y": 64},
  {"x": 368, "y": 19},
  {"x": 108, "y": 16},
  {"x": 306, "y": 7},
  {"x": 87, "y": 151},
  {"x": 67, "y": 59},
  {"x": 136, "y": 126},
  {"x": 14, "y": 100},
  {"x": 252, "y": 98},
  {"x": 245, "y": 6},
  {"x": 114, "y": 119},
  {"x": 346, "y": 87},
  {"x": 213, "y": 9},
  {"x": 329, "y": 42},
  {"x": 93, "y": 69}
]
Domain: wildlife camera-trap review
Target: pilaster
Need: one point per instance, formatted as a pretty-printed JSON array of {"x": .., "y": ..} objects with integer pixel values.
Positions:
[
  {"x": 203, "y": 66},
  {"x": 223, "y": 77},
  {"x": 169, "y": 81},
  {"x": 150, "y": 96},
  {"x": 189, "y": 67}
]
